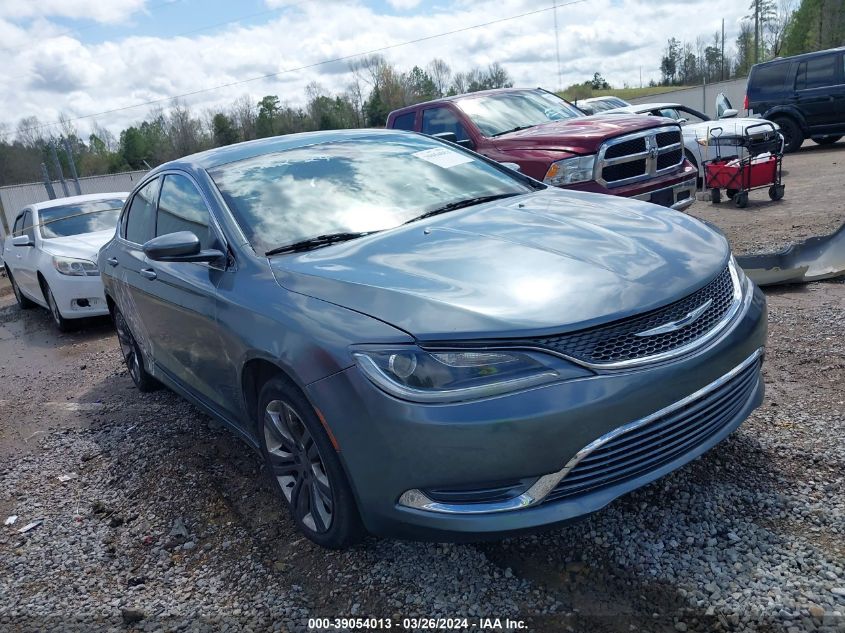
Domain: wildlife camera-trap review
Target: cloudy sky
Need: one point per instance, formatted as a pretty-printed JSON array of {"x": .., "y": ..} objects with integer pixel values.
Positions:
[{"x": 83, "y": 57}]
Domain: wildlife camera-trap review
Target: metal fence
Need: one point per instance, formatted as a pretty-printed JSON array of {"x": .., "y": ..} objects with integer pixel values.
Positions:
[
  {"x": 13, "y": 198},
  {"x": 702, "y": 98}
]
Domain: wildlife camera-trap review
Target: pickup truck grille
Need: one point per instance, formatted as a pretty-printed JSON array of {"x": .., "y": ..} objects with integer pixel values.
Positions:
[{"x": 639, "y": 156}]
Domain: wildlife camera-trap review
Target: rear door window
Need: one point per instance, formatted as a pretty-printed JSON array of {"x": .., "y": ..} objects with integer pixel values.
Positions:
[
  {"x": 182, "y": 208},
  {"x": 769, "y": 79},
  {"x": 439, "y": 120},
  {"x": 405, "y": 121},
  {"x": 140, "y": 220},
  {"x": 818, "y": 72}
]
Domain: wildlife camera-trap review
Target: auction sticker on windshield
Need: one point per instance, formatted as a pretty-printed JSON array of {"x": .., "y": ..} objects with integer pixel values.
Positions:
[{"x": 443, "y": 157}]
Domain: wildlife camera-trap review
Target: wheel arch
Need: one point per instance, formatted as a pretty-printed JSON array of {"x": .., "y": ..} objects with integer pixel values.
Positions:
[{"x": 789, "y": 113}]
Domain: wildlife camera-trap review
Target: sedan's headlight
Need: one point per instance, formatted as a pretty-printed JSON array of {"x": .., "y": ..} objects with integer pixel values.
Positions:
[
  {"x": 75, "y": 267},
  {"x": 570, "y": 170},
  {"x": 414, "y": 374}
]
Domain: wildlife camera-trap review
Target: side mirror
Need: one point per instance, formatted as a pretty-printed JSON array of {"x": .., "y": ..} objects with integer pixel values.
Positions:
[
  {"x": 513, "y": 166},
  {"x": 182, "y": 246},
  {"x": 447, "y": 136},
  {"x": 22, "y": 240},
  {"x": 729, "y": 114},
  {"x": 467, "y": 143}
]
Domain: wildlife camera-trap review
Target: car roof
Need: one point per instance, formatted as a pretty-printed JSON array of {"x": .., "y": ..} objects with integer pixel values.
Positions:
[
  {"x": 88, "y": 197},
  {"x": 779, "y": 60},
  {"x": 594, "y": 99},
  {"x": 645, "y": 107},
  {"x": 212, "y": 158},
  {"x": 465, "y": 95}
]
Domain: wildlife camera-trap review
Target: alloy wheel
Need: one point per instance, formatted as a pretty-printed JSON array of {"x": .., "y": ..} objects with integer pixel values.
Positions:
[
  {"x": 128, "y": 348},
  {"x": 297, "y": 465},
  {"x": 18, "y": 296},
  {"x": 54, "y": 309}
]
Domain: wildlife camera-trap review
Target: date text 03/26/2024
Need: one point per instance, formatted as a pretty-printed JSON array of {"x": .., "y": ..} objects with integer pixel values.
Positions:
[{"x": 416, "y": 624}]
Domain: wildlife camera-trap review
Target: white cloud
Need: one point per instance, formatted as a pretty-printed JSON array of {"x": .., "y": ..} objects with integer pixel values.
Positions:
[
  {"x": 403, "y": 5},
  {"x": 111, "y": 11},
  {"x": 48, "y": 77}
]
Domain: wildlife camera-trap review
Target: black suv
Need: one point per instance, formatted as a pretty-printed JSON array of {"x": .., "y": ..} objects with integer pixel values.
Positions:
[{"x": 804, "y": 94}]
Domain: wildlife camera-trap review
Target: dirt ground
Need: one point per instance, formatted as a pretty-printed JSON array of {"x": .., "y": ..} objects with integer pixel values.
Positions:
[{"x": 67, "y": 404}]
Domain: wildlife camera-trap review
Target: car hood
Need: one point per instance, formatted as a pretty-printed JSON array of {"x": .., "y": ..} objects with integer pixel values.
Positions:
[
  {"x": 548, "y": 262},
  {"x": 84, "y": 246},
  {"x": 581, "y": 135}
]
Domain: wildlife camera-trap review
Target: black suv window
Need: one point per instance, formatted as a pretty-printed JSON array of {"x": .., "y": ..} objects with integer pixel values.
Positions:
[
  {"x": 181, "y": 208},
  {"x": 817, "y": 72},
  {"x": 769, "y": 79},
  {"x": 439, "y": 120},
  {"x": 405, "y": 121},
  {"x": 141, "y": 214}
]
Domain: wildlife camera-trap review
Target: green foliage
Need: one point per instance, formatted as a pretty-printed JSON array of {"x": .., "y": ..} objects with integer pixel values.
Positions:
[
  {"x": 223, "y": 130},
  {"x": 817, "y": 25}
]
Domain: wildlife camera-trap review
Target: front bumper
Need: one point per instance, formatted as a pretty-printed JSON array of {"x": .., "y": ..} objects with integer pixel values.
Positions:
[
  {"x": 389, "y": 446},
  {"x": 673, "y": 190},
  {"x": 77, "y": 297}
]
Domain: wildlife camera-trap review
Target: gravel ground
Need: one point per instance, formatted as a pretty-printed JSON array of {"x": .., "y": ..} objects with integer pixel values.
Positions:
[{"x": 155, "y": 518}]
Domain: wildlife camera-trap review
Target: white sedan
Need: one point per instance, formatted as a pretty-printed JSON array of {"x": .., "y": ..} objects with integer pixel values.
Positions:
[
  {"x": 698, "y": 129},
  {"x": 51, "y": 255}
]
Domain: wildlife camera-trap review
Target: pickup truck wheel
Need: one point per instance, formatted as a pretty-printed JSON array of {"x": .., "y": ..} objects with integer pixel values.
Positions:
[
  {"x": 793, "y": 137},
  {"x": 23, "y": 302},
  {"x": 826, "y": 140}
]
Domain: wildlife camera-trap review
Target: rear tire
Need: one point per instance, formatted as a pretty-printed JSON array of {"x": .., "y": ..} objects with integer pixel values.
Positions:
[
  {"x": 776, "y": 192},
  {"x": 304, "y": 468},
  {"x": 793, "y": 137},
  {"x": 826, "y": 140},
  {"x": 132, "y": 355},
  {"x": 23, "y": 302}
]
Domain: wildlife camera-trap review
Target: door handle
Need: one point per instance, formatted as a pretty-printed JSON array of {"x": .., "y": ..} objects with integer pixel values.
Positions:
[
  {"x": 112, "y": 261},
  {"x": 148, "y": 273}
]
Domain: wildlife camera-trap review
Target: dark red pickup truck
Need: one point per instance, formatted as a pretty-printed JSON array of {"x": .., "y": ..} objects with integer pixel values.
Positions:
[{"x": 551, "y": 140}]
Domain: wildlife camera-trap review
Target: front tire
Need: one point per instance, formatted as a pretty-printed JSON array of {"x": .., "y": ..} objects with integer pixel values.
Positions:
[
  {"x": 132, "y": 355},
  {"x": 304, "y": 467},
  {"x": 793, "y": 137},
  {"x": 23, "y": 302},
  {"x": 61, "y": 323}
]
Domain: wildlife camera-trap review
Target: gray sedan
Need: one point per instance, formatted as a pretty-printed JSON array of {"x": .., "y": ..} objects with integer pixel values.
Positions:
[{"x": 425, "y": 344}]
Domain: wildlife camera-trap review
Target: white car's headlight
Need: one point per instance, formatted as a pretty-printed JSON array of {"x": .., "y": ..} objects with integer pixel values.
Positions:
[
  {"x": 411, "y": 373},
  {"x": 570, "y": 170},
  {"x": 75, "y": 267}
]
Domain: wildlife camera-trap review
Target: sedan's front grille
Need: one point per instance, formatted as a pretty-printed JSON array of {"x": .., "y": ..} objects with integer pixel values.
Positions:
[
  {"x": 624, "y": 340},
  {"x": 628, "y": 453},
  {"x": 639, "y": 156}
]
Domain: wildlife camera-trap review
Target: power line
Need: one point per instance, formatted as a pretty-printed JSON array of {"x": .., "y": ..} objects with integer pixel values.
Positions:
[{"x": 304, "y": 67}]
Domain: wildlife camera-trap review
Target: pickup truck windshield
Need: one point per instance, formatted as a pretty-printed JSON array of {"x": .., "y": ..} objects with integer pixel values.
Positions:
[{"x": 498, "y": 114}]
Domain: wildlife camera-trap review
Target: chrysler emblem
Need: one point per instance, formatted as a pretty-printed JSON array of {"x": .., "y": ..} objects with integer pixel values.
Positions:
[{"x": 673, "y": 326}]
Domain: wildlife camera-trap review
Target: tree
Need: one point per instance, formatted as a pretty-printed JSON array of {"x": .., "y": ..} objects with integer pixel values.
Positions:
[
  {"x": 815, "y": 26},
  {"x": 268, "y": 107},
  {"x": 598, "y": 83},
  {"x": 441, "y": 76},
  {"x": 132, "y": 147},
  {"x": 744, "y": 49},
  {"x": 669, "y": 61},
  {"x": 223, "y": 130}
]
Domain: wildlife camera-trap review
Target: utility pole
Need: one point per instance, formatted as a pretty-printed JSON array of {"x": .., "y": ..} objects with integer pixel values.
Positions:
[
  {"x": 722, "y": 58},
  {"x": 557, "y": 49},
  {"x": 756, "y": 31},
  {"x": 72, "y": 166},
  {"x": 58, "y": 166}
]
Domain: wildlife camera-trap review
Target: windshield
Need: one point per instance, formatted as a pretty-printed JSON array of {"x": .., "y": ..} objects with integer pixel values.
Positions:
[
  {"x": 497, "y": 114},
  {"x": 79, "y": 218},
  {"x": 369, "y": 183},
  {"x": 608, "y": 104}
]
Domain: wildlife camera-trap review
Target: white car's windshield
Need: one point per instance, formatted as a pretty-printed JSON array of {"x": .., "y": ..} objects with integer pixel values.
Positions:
[{"x": 79, "y": 218}]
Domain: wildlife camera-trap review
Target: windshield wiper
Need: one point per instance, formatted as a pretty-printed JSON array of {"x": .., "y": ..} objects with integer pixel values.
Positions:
[
  {"x": 316, "y": 242},
  {"x": 514, "y": 129},
  {"x": 460, "y": 204}
]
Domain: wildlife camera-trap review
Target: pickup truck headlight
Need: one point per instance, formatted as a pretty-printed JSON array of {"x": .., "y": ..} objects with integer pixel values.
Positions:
[
  {"x": 411, "y": 373},
  {"x": 570, "y": 170},
  {"x": 75, "y": 267}
]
